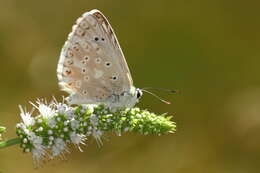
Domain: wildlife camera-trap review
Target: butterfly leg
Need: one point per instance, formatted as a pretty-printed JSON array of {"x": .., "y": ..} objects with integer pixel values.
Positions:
[{"x": 115, "y": 98}]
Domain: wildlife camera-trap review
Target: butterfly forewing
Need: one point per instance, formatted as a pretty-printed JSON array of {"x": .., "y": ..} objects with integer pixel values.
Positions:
[{"x": 92, "y": 64}]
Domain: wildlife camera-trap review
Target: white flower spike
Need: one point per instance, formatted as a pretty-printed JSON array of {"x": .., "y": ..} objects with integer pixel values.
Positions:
[{"x": 56, "y": 125}]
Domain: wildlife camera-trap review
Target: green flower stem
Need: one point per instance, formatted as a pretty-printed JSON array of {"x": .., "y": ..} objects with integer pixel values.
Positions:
[{"x": 10, "y": 142}]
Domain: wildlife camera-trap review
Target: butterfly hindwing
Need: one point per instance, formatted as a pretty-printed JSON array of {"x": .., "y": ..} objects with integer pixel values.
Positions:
[{"x": 92, "y": 64}]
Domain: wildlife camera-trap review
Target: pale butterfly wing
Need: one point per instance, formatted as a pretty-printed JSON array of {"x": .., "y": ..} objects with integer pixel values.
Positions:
[{"x": 92, "y": 66}]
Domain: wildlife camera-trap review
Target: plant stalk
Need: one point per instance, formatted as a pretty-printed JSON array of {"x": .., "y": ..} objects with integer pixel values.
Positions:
[{"x": 9, "y": 142}]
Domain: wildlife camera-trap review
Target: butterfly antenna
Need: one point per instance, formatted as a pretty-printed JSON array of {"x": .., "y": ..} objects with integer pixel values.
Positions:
[
  {"x": 162, "y": 100},
  {"x": 162, "y": 89}
]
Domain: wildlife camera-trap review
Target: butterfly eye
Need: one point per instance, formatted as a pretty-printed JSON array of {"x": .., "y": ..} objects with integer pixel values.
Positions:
[
  {"x": 138, "y": 93},
  {"x": 96, "y": 38}
]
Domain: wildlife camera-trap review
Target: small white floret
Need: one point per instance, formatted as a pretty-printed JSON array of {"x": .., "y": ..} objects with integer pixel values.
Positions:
[{"x": 26, "y": 117}]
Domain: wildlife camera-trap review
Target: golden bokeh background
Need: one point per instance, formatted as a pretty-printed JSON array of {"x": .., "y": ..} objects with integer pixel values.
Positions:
[{"x": 209, "y": 50}]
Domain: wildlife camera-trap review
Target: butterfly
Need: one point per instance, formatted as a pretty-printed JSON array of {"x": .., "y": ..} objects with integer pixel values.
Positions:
[{"x": 92, "y": 67}]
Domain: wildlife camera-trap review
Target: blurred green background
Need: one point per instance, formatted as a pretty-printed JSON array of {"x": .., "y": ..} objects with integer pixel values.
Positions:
[{"x": 209, "y": 50}]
